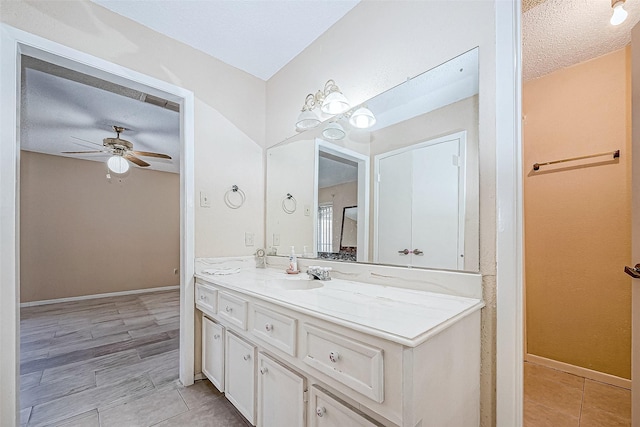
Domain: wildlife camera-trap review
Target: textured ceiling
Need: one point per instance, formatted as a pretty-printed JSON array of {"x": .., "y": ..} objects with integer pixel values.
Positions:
[
  {"x": 256, "y": 36},
  {"x": 559, "y": 33}
]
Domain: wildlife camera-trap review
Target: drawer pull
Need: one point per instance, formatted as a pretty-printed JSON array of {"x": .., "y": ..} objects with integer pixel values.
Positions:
[
  {"x": 216, "y": 337},
  {"x": 268, "y": 327},
  {"x": 202, "y": 297},
  {"x": 228, "y": 309},
  {"x": 263, "y": 370},
  {"x": 320, "y": 411},
  {"x": 334, "y": 356},
  {"x": 246, "y": 357}
]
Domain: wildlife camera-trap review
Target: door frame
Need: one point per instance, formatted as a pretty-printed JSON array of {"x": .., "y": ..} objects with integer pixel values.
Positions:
[{"x": 13, "y": 44}]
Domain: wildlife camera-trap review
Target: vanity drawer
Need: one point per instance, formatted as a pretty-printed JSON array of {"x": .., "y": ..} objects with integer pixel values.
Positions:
[
  {"x": 330, "y": 412},
  {"x": 354, "y": 364},
  {"x": 206, "y": 298},
  {"x": 232, "y": 309},
  {"x": 275, "y": 329}
]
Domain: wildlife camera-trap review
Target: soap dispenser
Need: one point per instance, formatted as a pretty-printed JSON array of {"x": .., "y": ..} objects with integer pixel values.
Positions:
[{"x": 293, "y": 262}]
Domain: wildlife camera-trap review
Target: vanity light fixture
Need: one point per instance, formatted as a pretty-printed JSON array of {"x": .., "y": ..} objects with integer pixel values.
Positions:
[
  {"x": 330, "y": 100},
  {"x": 118, "y": 165},
  {"x": 334, "y": 131},
  {"x": 619, "y": 14},
  {"x": 362, "y": 118}
]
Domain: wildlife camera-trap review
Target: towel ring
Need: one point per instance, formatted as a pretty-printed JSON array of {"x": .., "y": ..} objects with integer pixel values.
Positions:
[
  {"x": 291, "y": 201},
  {"x": 229, "y": 193}
]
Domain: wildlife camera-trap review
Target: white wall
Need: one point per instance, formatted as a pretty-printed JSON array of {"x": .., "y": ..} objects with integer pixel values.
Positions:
[
  {"x": 229, "y": 108},
  {"x": 405, "y": 39}
]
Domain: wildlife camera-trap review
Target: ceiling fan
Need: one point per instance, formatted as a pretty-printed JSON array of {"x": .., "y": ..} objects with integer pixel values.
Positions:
[{"x": 121, "y": 147}]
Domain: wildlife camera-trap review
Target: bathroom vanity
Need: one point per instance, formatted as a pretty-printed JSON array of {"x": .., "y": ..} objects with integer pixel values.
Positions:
[{"x": 289, "y": 351}]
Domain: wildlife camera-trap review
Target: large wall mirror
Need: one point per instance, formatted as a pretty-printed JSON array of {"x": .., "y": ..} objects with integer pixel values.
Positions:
[{"x": 401, "y": 192}]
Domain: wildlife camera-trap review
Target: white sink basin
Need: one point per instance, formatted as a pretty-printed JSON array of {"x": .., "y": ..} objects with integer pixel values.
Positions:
[{"x": 294, "y": 284}]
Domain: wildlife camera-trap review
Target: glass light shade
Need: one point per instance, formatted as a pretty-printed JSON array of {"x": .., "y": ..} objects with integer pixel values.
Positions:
[
  {"x": 619, "y": 14},
  {"x": 335, "y": 103},
  {"x": 118, "y": 165},
  {"x": 334, "y": 131},
  {"x": 307, "y": 120},
  {"x": 362, "y": 118}
]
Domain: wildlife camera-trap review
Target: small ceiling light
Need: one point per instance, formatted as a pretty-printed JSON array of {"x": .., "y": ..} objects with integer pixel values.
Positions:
[
  {"x": 334, "y": 131},
  {"x": 362, "y": 118},
  {"x": 619, "y": 14},
  {"x": 118, "y": 165}
]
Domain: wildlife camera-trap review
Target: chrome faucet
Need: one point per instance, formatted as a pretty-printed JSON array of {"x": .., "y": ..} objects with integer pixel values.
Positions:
[{"x": 319, "y": 273}]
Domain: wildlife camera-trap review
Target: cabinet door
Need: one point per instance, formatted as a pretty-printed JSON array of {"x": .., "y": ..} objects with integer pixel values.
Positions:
[
  {"x": 213, "y": 352},
  {"x": 332, "y": 413},
  {"x": 280, "y": 395},
  {"x": 239, "y": 375}
]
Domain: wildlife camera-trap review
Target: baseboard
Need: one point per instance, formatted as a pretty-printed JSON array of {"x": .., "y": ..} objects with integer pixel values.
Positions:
[
  {"x": 579, "y": 371},
  {"x": 199, "y": 376},
  {"x": 110, "y": 294}
]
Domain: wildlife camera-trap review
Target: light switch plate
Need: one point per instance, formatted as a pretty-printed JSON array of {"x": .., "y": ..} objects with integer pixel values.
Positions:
[
  {"x": 307, "y": 210},
  {"x": 205, "y": 201},
  {"x": 276, "y": 239},
  {"x": 248, "y": 239}
]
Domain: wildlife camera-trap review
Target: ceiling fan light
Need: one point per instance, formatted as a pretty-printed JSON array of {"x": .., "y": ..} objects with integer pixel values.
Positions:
[
  {"x": 362, "y": 118},
  {"x": 118, "y": 165},
  {"x": 334, "y": 131},
  {"x": 307, "y": 120},
  {"x": 335, "y": 103},
  {"x": 619, "y": 14}
]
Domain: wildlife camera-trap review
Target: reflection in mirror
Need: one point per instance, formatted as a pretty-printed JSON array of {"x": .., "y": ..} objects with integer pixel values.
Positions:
[{"x": 423, "y": 148}]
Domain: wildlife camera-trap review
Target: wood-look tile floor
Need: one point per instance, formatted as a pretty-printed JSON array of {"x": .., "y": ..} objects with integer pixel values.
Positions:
[
  {"x": 111, "y": 362},
  {"x": 556, "y": 399}
]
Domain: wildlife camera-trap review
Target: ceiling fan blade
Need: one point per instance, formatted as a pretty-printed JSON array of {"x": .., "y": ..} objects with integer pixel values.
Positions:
[
  {"x": 83, "y": 152},
  {"x": 137, "y": 161},
  {"x": 148, "y": 154},
  {"x": 90, "y": 142}
]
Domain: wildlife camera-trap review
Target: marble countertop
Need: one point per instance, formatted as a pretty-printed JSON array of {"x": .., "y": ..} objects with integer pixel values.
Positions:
[{"x": 405, "y": 316}]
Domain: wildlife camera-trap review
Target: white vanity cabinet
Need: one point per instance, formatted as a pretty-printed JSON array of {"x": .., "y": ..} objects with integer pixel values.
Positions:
[
  {"x": 213, "y": 352},
  {"x": 290, "y": 365},
  {"x": 281, "y": 395},
  {"x": 240, "y": 375}
]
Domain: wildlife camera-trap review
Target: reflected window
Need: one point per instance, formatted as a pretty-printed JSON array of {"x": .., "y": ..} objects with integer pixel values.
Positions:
[{"x": 325, "y": 228}]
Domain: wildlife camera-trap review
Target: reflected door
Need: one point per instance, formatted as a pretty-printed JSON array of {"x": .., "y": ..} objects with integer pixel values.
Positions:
[{"x": 420, "y": 219}]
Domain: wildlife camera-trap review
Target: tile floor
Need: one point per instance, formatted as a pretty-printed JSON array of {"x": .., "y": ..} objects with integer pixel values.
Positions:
[
  {"x": 556, "y": 399},
  {"x": 112, "y": 362}
]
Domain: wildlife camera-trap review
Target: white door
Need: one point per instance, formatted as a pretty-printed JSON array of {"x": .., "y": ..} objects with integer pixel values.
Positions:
[
  {"x": 213, "y": 352},
  {"x": 421, "y": 219},
  {"x": 239, "y": 375},
  {"x": 280, "y": 395},
  {"x": 435, "y": 212},
  {"x": 635, "y": 226}
]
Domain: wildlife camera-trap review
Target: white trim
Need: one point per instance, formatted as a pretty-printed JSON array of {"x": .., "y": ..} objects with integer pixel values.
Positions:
[
  {"x": 363, "y": 193},
  {"x": 579, "y": 371},
  {"x": 13, "y": 43},
  {"x": 106, "y": 295},
  {"x": 509, "y": 295}
]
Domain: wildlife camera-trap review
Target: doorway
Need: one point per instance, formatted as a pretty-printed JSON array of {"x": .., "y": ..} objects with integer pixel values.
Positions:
[{"x": 16, "y": 43}]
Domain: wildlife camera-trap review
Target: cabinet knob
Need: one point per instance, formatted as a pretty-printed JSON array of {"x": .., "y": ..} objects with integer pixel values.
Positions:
[
  {"x": 246, "y": 357},
  {"x": 417, "y": 252},
  {"x": 216, "y": 336},
  {"x": 264, "y": 370},
  {"x": 268, "y": 327},
  {"x": 320, "y": 411},
  {"x": 334, "y": 356},
  {"x": 228, "y": 309},
  {"x": 404, "y": 252},
  {"x": 201, "y": 296}
]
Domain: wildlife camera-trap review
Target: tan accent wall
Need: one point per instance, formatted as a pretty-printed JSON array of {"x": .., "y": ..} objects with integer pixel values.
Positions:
[
  {"x": 83, "y": 235},
  {"x": 577, "y": 215}
]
